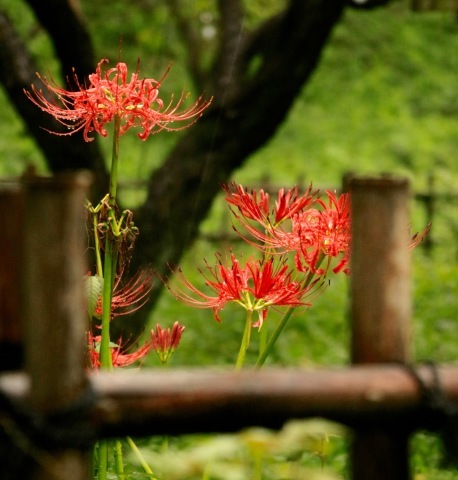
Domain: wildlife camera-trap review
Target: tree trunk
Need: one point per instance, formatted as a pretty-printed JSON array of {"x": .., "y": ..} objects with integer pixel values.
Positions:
[{"x": 181, "y": 192}]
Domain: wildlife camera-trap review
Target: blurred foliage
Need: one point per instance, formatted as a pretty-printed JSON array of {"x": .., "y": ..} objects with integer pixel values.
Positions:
[
  {"x": 302, "y": 449},
  {"x": 382, "y": 99}
]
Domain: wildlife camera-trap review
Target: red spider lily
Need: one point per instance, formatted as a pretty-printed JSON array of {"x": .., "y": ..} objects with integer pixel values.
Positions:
[
  {"x": 248, "y": 203},
  {"x": 321, "y": 233},
  {"x": 256, "y": 286},
  {"x": 317, "y": 229},
  {"x": 165, "y": 341},
  {"x": 128, "y": 297},
  {"x": 288, "y": 203},
  {"x": 135, "y": 102},
  {"x": 268, "y": 227},
  {"x": 119, "y": 357}
]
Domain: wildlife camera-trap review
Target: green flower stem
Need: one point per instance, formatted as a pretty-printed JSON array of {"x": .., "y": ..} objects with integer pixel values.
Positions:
[
  {"x": 245, "y": 341},
  {"x": 274, "y": 337},
  {"x": 114, "y": 161},
  {"x": 140, "y": 457},
  {"x": 278, "y": 329},
  {"x": 119, "y": 466},
  {"x": 109, "y": 271},
  {"x": 102, "y": 464},
  {"x": 110, "y": 259},
  {"x": 98, "y": 257},
  {"x": 284, "y": 320},
  {"x": 107, "y": 293}
]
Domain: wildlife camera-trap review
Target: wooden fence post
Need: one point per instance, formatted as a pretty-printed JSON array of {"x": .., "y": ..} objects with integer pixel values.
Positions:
[
  {"x": 11, "y": 208},
  {"x": 380, "y": 310},
  {"x": 54, "y": 318}
]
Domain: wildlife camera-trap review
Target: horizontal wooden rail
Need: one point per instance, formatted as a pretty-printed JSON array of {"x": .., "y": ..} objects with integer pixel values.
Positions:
[{"x": 150, "y": 402}]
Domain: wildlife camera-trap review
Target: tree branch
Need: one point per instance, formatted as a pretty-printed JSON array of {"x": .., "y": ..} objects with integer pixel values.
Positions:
[
  {"x": 192, "y": 41},
  {"x": 231, "y": 41},
  {"x": 17, "y": 72},
  {"x": 69, "y": 35},
  {"x": 287, "y": 49},
  {"x": 181, "y": 192}
]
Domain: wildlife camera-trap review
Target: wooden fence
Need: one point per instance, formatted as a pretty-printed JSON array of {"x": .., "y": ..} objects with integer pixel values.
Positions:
[{"x": 53, "y": 410}]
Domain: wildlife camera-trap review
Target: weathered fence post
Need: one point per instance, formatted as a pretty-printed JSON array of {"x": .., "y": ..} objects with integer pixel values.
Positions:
[
  {"x": 11, "y": 210},
  {"x": 380, "y": 310},
  {"x": 53, "y": 309}
]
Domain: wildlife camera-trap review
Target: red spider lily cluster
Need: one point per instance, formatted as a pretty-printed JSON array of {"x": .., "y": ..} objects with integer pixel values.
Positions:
[
  {"x": 127, "y": 298},
  {"x": 302, "y": 238},
  {"x": 166, "y": 340},
  {"x": 306, "y": 225},
  {"x": 313, "y": 232},
  {"x": 110, "y": 94},
  {"x": 255, "y": 286},
  {"x": 256, "y": 205},
  {"x": 163, "y": 340}
]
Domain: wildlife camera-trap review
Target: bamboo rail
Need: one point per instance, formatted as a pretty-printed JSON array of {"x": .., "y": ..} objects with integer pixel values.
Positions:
[{"x": 200, "y": 400}]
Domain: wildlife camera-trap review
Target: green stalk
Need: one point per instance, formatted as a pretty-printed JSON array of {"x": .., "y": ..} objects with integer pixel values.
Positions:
[
  {"x": 140, "y": 457},
  {"x": 107, "y": 294},
  {"x": 284, "y": 320},
  {"x": 110, "y": 259},
  {"x": 114, "y": 162},
  {"x": 274, "y": 337},
  {"x": 97, "y": 246},
  {"x": 119, "y": 466},
  {"x": 109, "y": 271},
  {"x": 102, "y": 464},
  {"x": 245, "y": 341}
]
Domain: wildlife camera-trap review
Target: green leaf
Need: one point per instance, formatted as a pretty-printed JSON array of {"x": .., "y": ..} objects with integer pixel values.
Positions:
[{"x": 93, "y": 286}]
